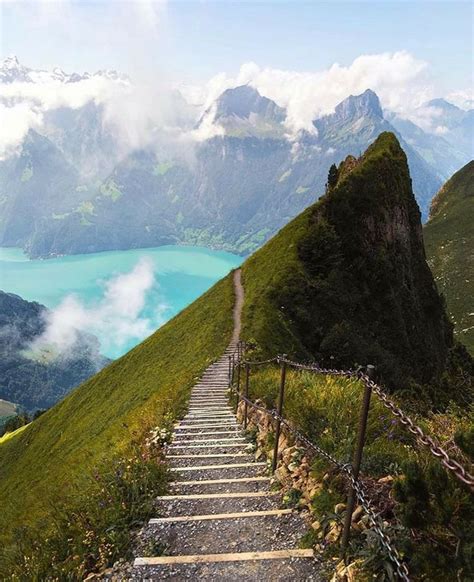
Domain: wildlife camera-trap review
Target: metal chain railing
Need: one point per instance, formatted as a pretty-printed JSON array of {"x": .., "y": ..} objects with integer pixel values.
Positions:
[
  {"x": 313, "y": 367},
  {"x": 400, "y": 567},
  {"x": 351, "y": 472},
  {"x": 436, "y": 450},
  {"x": 261, "y": 362},
  {"x": 345, "y": 468}
]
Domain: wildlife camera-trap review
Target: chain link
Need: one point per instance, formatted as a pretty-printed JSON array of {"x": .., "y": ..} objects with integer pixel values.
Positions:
[
  {"x": 260, "y": 363},
  {"x": 400, "y": 567},
  {"x": 313, "y": 367},
  {"x": 436, "y": 450}
]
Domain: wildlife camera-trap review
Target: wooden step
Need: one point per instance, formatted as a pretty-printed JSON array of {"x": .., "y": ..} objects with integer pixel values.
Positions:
[
  {"x": 215, "y": 446},
  {"x": 208, "y": 456},
  {"x": 221, "y": 440},
  {"x": 204, "y": 422},
  {"x": 216, "y": 467},
  {"x": 181, "y": 434},
  {"x": 224, "y": 425},
  {"x": 230, "y": 557},
  {"x": 221, "y": 481},
  {"x": 218, "y": 495}
]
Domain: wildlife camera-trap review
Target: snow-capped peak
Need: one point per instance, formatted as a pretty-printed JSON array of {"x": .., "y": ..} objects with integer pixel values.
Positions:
[
  {"x": 11, "y": 62},
  {"x": 12, "y": 71}
]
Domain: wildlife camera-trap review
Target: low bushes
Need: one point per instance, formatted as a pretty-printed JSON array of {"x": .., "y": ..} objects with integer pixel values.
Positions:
[{"x": 94, "y": 524}]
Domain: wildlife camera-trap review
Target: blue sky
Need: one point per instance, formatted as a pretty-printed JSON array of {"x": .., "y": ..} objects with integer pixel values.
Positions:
[{"x": 195, "y": 40}]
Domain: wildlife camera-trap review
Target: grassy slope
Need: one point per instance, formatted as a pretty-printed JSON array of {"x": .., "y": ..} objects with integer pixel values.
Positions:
[
  {"x": 449, "y": 242},
  {"x": 98, "y": 418},
  {"x": 274, "y": 264},
  {"x": 10, "y": 435}
]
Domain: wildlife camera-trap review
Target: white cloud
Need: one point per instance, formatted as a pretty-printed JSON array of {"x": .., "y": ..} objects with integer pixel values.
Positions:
[
  {"x": 207, "y": 128},
  {"x": 51, "y": 94},
  {"x": 15, "y": 122},
  {"x": 146, "y": 114},
  {"x": 463, "y": 99},
  {"x": 117, "y": 316},
  {"x": 400, "y": 80},
  {"x": 23, "y": 104}
]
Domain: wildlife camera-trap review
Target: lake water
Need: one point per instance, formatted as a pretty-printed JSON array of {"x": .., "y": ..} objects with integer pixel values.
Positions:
[{"x": 120, "y": 296}]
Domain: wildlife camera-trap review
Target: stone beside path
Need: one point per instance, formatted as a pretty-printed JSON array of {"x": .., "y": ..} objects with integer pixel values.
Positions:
[{"x": 221, "y": 521}]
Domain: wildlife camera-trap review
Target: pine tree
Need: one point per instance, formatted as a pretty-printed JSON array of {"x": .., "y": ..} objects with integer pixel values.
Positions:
[{"x": 333, "y": 176}]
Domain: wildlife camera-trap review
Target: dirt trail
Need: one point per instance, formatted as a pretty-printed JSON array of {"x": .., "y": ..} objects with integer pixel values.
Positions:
[
  {"x": 239, "y": 303},
  {"x": 221, "y": 521}
]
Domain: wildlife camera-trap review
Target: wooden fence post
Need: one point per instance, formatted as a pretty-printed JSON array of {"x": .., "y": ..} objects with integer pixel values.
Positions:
[
  {"x": 247, "y": 381},
  {"x": 357, "y": 460},
  {"x": 280, "y": 411}
]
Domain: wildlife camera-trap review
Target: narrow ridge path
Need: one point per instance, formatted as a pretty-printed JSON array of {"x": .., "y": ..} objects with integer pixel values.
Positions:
[{"x": 221, "y": 521}]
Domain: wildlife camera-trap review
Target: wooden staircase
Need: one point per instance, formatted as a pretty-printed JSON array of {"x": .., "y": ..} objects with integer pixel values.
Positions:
[{"x": 221, "y": 521}]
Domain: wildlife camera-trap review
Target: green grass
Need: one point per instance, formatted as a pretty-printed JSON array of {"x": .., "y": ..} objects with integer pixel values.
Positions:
[
  {"x": 262, "y": 321},
  {"x": 327, "y": 409},
  {"x": 9, "y": 435},
  {"x": 99, "y": 418},
  {"x": 449, "y": 242},
  {"x": 27, "y": 173},
  {"x": 111, "y": 190},
  {"x": 163, "y": 168}
]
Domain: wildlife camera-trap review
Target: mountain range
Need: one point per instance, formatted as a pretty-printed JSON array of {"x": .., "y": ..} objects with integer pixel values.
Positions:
[{"x": 71, "y": 188}]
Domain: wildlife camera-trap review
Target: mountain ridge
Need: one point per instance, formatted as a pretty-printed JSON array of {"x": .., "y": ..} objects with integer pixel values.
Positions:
[{"x": 234, "y": 192}]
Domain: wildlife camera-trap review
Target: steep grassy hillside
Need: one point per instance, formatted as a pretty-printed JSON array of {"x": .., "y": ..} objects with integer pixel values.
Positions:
[
  {"x": 99, "y": 418},
  {"x": 348, "y": 278},
  {"x": 449, "y": 242}
]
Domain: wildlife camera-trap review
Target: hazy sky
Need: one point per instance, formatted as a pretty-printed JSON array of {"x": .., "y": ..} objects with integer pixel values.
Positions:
[{"x": 194, "y": 40}]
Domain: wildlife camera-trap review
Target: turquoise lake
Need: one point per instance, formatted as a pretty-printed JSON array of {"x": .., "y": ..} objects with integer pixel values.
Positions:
[{"x": 120, "y": 296}]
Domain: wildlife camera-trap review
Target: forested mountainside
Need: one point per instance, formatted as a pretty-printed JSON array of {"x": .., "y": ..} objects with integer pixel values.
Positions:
[
  {"x": 38, "y": 378},
  {"x": 349, "y": 279},
  {"x": 71, "y": 190},
  {"x": 449, "y": 241}
]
